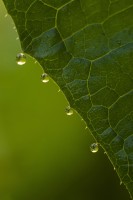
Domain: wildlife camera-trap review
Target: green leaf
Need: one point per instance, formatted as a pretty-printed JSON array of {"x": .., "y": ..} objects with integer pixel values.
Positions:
[{"x": 86, "y": 46}]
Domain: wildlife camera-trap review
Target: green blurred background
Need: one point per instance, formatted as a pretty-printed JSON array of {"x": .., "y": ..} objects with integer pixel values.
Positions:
[{"x": 44, "y": 154}]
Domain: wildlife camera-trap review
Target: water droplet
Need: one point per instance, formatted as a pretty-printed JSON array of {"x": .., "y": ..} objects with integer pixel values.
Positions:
[
  {"x": 21, "y": 59},
  {"x": 45, "y": 78},
  {"x": 17, "y": 38},
  {"x": 14, "y": 28},
  {"x": 120, "y": 182},
  {"x": 69, "y": 111},
  {"x": 86, "y": 127},
  {"x": 94, "y": 147}
]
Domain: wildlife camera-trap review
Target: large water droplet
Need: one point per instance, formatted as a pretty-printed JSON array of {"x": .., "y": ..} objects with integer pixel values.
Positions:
[
  {"x": 69, "y": 110},
  {"x": 94, "y": 147},
  {"x": 45, "y": 78},
  {"x": 21, "y": 59}
]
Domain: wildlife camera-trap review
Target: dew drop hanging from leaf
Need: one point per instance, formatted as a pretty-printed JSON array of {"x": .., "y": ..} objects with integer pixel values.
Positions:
[
  {"x": 69, "y": 110},
  {"x": 94, "y": 147},
  {"x": 21, "y": 59},
  {"x": 45, "y": 78}
]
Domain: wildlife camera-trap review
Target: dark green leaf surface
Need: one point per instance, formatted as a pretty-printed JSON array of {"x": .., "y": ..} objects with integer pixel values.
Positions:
[{"x": 86, "y": 46}]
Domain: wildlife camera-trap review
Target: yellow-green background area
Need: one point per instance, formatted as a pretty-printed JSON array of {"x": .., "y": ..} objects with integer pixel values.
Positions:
[{"x": 44, "y": 154}]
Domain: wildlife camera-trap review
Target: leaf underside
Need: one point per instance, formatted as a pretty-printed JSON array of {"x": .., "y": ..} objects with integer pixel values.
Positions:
[{"x": 86, "y": 46}]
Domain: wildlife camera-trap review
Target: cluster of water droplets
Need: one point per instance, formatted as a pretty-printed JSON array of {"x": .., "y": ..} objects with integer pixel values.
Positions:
[{"x": 21, "y": 60}]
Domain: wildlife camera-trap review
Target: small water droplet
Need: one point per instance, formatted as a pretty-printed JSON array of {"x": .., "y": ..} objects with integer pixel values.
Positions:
[
  {"x": 86, "y": 127},
  {"x": 17, "y": 38},
  {"x": 14, "y": 28},
  {"x": 45, "y": 78},
  {"x": 68, "y": 110},
  {"x": 59, "y": 90},
  {"x": 35, "y": 62},
  {"x": 21, "y": 59},
  {"x": 94, "y": 147},
  {"x": 120, "y": 182},
  {"x": 114, "y": 168}
]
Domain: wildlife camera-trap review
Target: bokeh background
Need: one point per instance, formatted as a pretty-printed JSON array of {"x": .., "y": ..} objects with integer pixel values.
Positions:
[{"x": 44, "y": 154}]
